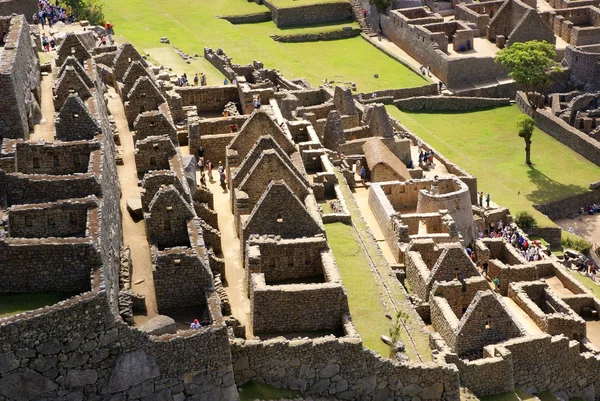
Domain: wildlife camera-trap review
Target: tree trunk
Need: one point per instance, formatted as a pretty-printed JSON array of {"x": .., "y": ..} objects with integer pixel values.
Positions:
[{"x": 528, "y": 151}]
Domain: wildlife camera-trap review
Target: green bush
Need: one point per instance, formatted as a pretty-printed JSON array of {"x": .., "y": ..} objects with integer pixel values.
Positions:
[
  {"x": 576, "y": 243},
  {"x": 525, "y": 221},
  {"x": 90, "y": 10}
]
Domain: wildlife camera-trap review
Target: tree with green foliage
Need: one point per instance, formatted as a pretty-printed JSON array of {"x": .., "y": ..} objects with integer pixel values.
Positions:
[
  {"x": 526, "y": 124},
  {"x": 525, "y": 221},
  {"x": 381, "y": 5},
  {"x": 530, "y": 65},
  {"x": 90, "y": 10}
]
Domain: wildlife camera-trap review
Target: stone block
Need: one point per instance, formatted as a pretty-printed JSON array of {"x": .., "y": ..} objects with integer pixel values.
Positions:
[
  {"x": 158, "y": 325},
  {"x": 134, "y": 207}
]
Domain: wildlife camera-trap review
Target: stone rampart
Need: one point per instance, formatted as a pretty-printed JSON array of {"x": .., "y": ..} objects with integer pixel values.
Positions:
[
  {"x": 448, "y": 103},
  {"x": 208, "y": 98},
  {"x": 77, "y": 349},
  {"x": 344, "y": 33},
  {"x": 584, "y": 66},
  {"x": 248, "y": 18},
  {"x": 309, "y": 14},
  {"x": 340, "y": 368}
]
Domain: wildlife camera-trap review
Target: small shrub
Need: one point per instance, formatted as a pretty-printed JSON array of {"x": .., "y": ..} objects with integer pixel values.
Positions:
[
  {"x": 525, "y": 221},
  {"x": 576, "y": 243}
]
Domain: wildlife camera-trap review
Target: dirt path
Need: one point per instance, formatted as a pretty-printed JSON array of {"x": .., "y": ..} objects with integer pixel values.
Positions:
[
  {"x": 234, "y": 268},
  {"x": 558, "y": 287},
  {"x": 45, "y": 129},
  {"x": 588, "y": 228},
  {"x": 523, "y": 318},
  {"x": 134, "y": 233},
  {"x": 362, "y": 198}
]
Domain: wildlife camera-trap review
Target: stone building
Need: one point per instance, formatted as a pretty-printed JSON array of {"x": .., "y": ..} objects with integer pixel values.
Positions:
[
  {"x": 382, "y": 164},
  {"x": 19, "y": 79}
]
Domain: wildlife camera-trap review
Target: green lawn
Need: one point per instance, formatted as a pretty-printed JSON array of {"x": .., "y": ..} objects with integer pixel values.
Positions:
[
  {"x": 368, "y": 312},
  {"x": 485, "y": 143},
  {"x": 191, "y": 25},
  {"x": 296, "y": 3},
  {"x": 12, "y": 304}
]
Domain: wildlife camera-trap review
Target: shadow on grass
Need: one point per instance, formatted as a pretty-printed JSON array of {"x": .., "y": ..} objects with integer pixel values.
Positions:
[{"x": 549, "y": 190}]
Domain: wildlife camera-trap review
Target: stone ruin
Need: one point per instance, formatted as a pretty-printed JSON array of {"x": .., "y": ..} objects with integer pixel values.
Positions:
[{"x": 111, "y": 337}]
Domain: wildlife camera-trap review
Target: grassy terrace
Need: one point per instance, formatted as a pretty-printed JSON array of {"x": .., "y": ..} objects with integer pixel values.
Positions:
[
  {"x": 485, "y": 143},
  {"x": 12, "y": 304},
  {"x": 297, "y": 3},
  {"x": 192, "y": 25}
]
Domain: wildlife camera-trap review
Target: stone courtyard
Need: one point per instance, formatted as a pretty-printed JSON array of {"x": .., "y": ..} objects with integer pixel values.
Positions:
[{"x": 180, "y": 281}]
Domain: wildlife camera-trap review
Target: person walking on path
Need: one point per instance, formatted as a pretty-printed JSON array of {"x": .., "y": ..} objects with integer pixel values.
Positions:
[
  {"x": 222, "y": 179},
  {"x": 196, "y": 79},
  {"x": 487, "y": 200},
  {"x": 209, "y": 167},
  {"x": 480, "y": 198}
]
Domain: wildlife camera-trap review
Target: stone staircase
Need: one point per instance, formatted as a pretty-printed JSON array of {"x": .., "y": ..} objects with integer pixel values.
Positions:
[{"x": 363, "y": 22}]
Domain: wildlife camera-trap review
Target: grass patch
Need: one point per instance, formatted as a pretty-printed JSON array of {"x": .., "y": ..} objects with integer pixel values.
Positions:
[
  {"x": 587, "y": 282},
  {"x": 485, "y": 143},
  {"x": 326, "y": 206},
  {"x": 12, "y": 304},
  {"x": 546, "y": 396},
  {"x": 192, "y": 25},
  {"x": 299, "y": 3},
  {"x": 256, "y": 391},
  {"x": 368, "y": 312}
]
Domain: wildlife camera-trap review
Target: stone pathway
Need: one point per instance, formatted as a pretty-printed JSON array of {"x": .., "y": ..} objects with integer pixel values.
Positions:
[
  {"x": 45, "y": 129},
  {"x": 134, "y": 233}
]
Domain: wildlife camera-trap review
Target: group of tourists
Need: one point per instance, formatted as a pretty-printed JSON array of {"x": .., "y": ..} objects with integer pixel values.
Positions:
[
  {"x": 480, "y": 199},
  {"x": 208, "y": 166},
  {"x": 426, "y": 158},
  {"x": 51, "y": 14},
  {"x": 48, "y": 43}
]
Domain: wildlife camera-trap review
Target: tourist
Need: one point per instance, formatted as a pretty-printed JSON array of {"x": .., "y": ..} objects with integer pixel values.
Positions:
[
  {"x": 364, "y": 12},
  {"x": 428, "y": 71},
  {"x": 220, "y": 169},
  {"x": 363, "y": 173},
  {"x": 440, "y": 85},
  {"x": 200, "y": 152},
  {"x": 225, "y": 81},
  {"x": 234, "y": 127},
  {"x": 209, "y": 166},
  {"x": 374, "y": 95},
  {"x": 203, "y": 180},
  {"x": 422, "y": 69},
  {"x": 202, "y": 79},
  {"x": 195, "y": 325},
  {"x": 484, "y": 268},
  {"x": 103, "y": 74},
  {"x": 410, "y": 164},
  {"x": 201, "y": 165},
  {"x": 225, "y": 113},
  {"x": 360, "y": 97},
  {"x": 487, "y": 200},
  {"x": 222, "y": 179},
  {"x": 496, "y": 283},
  {"x": 52, "y": 42},
  {"x": 3, "y": 38},
  {"x": 379, "y": 35},
  {"x": 480, "y": 194},
  {"x": 102, "y": 41},
  {"x": 196, "y": 79}
]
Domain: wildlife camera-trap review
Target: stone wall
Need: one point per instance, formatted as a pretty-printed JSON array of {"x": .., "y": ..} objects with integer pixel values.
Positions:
[
  {"x": 25, "y": 7},
  {"x": 341, "y": 368},
  {"x": 52, "y": 265},
  {"x": 62, "y": 219},
  {"x": 248, "y": 18},
  {"x": 19, "y": 79},
  {"x": 180, "y": 278},
  {"x": 57, "y": 158},
  {"x": 310, "y": 14},
  {"x": 344, "y": 33},
  {"x": 448, "y": 103},
  {"x": 584, "y": 66},
  {"x": 78, "y": 350},
  {"x": 208, "y": 98},
  {"x": 296, "y": 307},
  {"x": 570, "y": 206}
]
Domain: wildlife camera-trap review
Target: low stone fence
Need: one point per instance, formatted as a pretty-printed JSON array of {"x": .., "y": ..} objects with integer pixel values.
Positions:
[
  {"x": 569, "y": 207},
  {"x": 248, "y": 18},
  {"x": 344, "y": 33},
  {"x": 401, "y": 93},
  {"x": 448, "y": 103}
]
